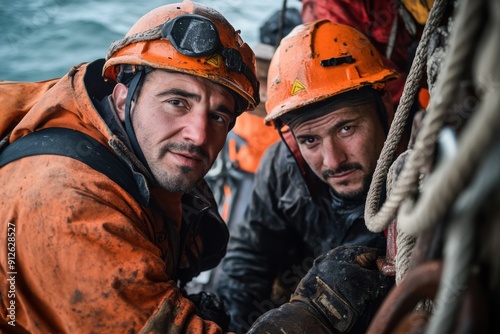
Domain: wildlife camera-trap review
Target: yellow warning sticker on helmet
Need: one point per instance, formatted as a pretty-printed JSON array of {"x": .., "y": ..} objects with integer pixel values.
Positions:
[
  {"x": 297, "y": 87},
  {"x": 214, "y": 60}
]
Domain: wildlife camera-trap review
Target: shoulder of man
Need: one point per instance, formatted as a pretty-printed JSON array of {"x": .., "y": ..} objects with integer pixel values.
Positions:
[
  {"x": 17, "y": 98},
  {"x": 278, "y": 157}
]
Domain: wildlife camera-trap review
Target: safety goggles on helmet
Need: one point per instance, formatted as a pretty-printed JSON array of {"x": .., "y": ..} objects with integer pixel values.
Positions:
[
  {"x": 196, "y": 36},
  {"x": 192, "y": 35}
]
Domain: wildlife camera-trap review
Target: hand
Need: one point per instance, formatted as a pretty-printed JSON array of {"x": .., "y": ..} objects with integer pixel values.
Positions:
[
  {"x": 339, "y": 294},
  {"x": 342, "y": 284},
  {"x": 210, "y": 307}
]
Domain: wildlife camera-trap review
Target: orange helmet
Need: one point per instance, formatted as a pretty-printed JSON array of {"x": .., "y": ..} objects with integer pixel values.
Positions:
[
  {"x": 193, "y": 39},
  {"x": 318, "y": 60}
]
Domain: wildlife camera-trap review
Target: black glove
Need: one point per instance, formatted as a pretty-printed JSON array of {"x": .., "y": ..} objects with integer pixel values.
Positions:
[
  {"x": 339, "y": 294},
  {"x": 209, "y": 306}
]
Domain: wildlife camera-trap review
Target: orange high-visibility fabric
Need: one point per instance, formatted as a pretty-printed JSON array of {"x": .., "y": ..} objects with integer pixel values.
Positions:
[
  {"x": 258, "y": 137},
  {"x": 17, "y": 98}
]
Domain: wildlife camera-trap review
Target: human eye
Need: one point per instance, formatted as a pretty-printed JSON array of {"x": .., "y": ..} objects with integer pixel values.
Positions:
[
  {"x": 176, "y": 103},
  {"x": 175, "y": 106},
  {"x": 221, "y": 117},
  {"x": 346, "y": 130},
  {"x": 218, "y": 118},
  {"x": 307, "y": 141}
]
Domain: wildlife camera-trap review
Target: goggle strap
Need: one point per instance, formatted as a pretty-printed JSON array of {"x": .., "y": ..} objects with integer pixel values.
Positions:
[
  {"x": 148, "y": 35},
  {"x": 250, "y": 76}
]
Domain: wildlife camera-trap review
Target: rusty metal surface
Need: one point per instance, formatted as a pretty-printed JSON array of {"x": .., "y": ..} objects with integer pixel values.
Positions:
[{"x": 420, "y": 283}]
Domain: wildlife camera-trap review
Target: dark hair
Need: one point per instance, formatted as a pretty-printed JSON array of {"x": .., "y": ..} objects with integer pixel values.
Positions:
[{"x": 360, "y": 96}]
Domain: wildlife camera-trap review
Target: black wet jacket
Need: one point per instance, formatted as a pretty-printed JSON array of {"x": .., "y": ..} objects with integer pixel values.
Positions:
[{"x": 285, "y": 228}]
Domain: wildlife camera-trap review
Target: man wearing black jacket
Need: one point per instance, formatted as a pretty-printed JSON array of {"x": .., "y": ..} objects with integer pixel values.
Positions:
[{"x": 326, "y": 97}]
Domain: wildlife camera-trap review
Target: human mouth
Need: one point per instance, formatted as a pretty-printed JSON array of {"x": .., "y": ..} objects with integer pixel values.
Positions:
[
  {"x": 343, "y": 176},
  {"x": 185, "y": 154},
  {"x": 187, "y": 158},
  {"x": 343, "y": 173}
]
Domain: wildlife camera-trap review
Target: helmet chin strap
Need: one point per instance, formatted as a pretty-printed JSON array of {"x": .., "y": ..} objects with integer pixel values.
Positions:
[{"x": 136, "y": 80}]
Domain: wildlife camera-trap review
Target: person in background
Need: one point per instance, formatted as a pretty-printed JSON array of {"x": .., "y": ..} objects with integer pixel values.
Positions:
[
  {"x": 102, "y": 180},
  {"x": 231, "y": 177},
  {"x": 233, "y": 172},
  {"x": 278, "y": 25},
  {"x": 327, "y": 98}
]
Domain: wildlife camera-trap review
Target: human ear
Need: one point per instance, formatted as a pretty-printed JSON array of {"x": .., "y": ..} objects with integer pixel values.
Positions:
[{"x": 120, "y": 97}]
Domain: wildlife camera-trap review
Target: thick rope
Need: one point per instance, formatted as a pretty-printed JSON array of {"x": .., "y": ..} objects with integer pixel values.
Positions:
[
  {"x": 378, "y": 222},
  {"x": 460, "y": 244},
  {"x": 476, "y": 164},
  {"x": 446, "y": 182},
  {"x": 404, "y": 242}
]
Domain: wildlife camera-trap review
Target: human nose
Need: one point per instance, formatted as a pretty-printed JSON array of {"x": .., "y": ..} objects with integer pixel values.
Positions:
[
  {"x": 334, "y": 154},
  {"x": 196, "y": 128}
]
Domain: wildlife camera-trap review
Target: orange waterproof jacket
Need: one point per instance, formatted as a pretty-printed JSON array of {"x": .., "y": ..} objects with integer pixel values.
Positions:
[{"x": 81, "y": 255}]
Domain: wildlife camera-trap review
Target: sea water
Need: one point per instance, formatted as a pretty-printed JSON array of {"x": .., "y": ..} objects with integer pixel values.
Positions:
[{"x": 43, "y": 39}]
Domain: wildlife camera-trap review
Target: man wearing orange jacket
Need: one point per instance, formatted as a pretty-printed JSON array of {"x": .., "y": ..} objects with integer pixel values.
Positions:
[{"x": 84, "y": 251}]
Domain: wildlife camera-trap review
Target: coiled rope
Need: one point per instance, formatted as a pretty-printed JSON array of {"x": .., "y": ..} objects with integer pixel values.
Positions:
[
  {"x": 465, "y": 182},
  {"x": 450, "y": 177},
  {"x": 375, "y": 220}
]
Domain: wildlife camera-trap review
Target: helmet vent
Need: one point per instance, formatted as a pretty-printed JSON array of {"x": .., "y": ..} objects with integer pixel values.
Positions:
[{"x": 337, "y": 61}]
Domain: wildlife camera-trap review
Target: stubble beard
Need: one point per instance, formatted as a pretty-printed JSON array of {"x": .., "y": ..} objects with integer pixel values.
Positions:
[
  {"x": 176, "y": 183},
  {"x": 179, "y": 180},
  {"x": 353, "y": 195}
]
